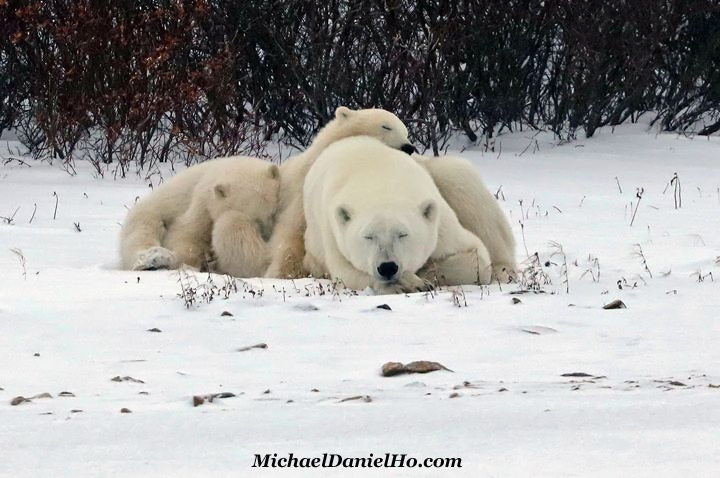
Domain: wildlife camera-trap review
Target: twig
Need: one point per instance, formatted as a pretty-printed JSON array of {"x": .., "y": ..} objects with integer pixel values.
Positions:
[
  {"x": 643, "y": 261},
  {"x": 638, "y": 194},
  {"x": 33, "y": 214},
  {"x": 593, "y": 269},
  {"x": 522, "y": 231},
  {"x": 12, "y": 158},
  {"x": 563, "y": 268},
  {"x": 677, "y": 190},
  {"x": 458, "y": 297},
  {"x": 618, "y": 184},
  {"x": 677, "y": 194},
  {"x": 532, "y": 278},
  {"x": 56, "y": 204},
  {"x": 21, "y": 258},
  {"x": 11, "y": 219}
]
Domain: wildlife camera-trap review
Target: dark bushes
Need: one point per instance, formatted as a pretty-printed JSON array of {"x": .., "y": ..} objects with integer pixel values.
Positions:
[{"x": 137, "y": 82}]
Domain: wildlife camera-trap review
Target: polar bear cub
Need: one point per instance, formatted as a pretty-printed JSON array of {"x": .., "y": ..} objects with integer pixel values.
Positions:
[
  {"x": 286, "y": 244},
  {"x": 375, "y": 217},
  {"x": 223, "y": 208}
]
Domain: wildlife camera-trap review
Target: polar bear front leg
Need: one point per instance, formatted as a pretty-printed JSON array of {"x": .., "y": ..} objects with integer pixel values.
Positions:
[
  {"x": 189, "y": 236},
  {"x": 287, "y": 244},
  {"x": 314, "y": 266},
  {"x": 341, "y": 269},
  {"x": 462, "y": 268},
  {"x": 461, "y": 260},
  {"x": 238, "y": 247}
]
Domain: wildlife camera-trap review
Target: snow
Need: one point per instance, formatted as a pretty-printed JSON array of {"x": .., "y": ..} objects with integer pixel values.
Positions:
[{"x": 69, "y": 321}]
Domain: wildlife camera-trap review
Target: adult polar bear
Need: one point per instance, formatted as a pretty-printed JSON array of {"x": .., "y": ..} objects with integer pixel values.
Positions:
[
  {"x": 457, "y": 179},
  {"x": 375, "y": 217},
  {"x": 287, "y": 244}
]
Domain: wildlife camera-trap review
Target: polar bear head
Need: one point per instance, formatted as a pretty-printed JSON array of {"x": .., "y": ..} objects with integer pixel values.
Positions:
[
  {"x": 386, "y": 243},
  {"x": 254, "y": 194},
  {"x": 374, "y": 122}
]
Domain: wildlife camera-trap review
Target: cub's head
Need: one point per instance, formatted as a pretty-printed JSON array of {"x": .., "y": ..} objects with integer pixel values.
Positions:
[
  {"x": 385, "y": 244},
  {"x": 254, "y": 195},
  {"x": 375, "y": 122}
]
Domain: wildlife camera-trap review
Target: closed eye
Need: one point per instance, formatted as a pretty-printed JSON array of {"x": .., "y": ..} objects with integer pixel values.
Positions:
[
  {"x": 402, "y": 235},
  {"x": 369, "y": 238},
  {"x": 388, "y": 128}
]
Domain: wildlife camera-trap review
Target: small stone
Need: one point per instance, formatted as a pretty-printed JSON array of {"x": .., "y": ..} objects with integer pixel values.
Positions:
[
  {"x": 615, "y": 304},
  {"x": 18, "y": 400},
  {"x": 516, "y": 301},
  {"x": 224, "y": 395},
  {"x": 154, "y": 329},
  {"x": 392, "y": 368},
  {"x": 364, "y": 398},
  {"x": 420, "y": 366},
  {"x": 454, "y": 395},
  {"x": 126, "y": 378},
  {"x": 250, "y": 347},
  {"x": 383, "y": 306},
  {"x": 125, "y": 410},
  {"x": 225, "y": 313},
  {"x": 307, "y": 307}
]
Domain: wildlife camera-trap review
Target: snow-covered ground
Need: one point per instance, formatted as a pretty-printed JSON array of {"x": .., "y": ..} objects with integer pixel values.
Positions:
[{"x": 70, "y": 322}]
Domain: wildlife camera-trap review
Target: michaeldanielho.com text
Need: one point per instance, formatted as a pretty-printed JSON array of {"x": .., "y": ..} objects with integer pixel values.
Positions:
[{"x": 333, "y": 460}]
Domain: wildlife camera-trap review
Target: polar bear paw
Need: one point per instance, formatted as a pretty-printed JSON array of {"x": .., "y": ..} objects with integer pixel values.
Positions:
[
  {"x": 407, "y": 283},
  {"x": 153, "y": 259}
]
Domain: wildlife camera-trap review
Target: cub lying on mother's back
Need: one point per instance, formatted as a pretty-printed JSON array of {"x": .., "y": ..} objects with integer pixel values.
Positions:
[{"x": 374, "y": 218}]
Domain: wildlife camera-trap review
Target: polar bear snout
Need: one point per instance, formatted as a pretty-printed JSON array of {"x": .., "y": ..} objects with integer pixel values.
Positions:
[
  {"x": 408, "y": 148},
  {"x": 387, "y": 270}
]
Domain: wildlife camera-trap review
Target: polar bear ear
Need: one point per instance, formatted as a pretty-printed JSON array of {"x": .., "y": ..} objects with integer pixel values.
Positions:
[
  {"x": 274, "y": 171},
  {"x": 343, "y": 215},
  {"x": 429, "y": 210},
  {"x": 221, "y": 190},
  {"x": 343, "y": 112}
]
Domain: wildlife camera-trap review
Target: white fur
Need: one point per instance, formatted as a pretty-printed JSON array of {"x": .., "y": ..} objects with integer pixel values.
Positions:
[
  {"x": 477, "y": 209},
  {"x": 367, "y": 204},
  {"x": 227, "y": 202},
  {"x": 287, "y": 248}
]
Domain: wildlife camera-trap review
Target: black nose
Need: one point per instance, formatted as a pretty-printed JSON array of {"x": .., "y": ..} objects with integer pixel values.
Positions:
[
  {"x": 407, "y": 148},
  {"x": 387, "y": 270}
]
